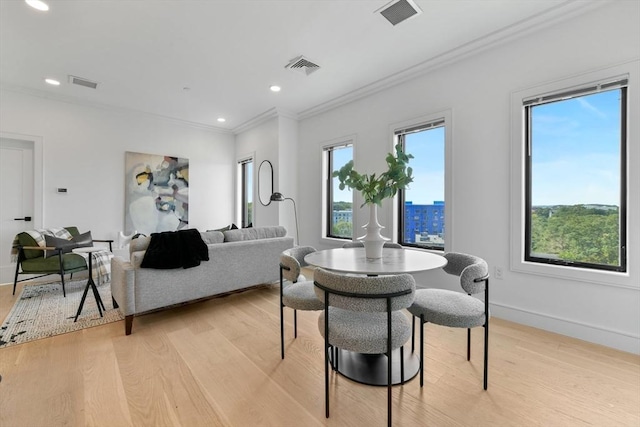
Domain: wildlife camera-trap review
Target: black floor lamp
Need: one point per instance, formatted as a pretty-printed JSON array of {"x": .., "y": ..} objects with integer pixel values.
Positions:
[{"x": 278, "y": 197}]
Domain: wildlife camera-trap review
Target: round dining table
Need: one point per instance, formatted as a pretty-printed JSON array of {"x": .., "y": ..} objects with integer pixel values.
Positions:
[{"x": 372, "y": 368}]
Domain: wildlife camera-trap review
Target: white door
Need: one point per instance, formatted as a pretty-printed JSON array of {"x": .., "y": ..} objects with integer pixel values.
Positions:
[{"x": 16, "y": 198}]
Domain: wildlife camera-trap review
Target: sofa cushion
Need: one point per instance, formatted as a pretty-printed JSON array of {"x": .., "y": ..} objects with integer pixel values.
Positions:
[
  {"x": 228, "y": 227},
  {"x": 139, "y": 244},
  {"x": 212, "y": 237},
  {"x": 254, "y": 233}
]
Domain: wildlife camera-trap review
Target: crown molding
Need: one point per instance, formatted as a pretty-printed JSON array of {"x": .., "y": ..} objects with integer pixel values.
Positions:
[
  {"x": 546, "y": 18},
  {"x": 271, "y": 113},
  {"x": 77, "y": 101}
]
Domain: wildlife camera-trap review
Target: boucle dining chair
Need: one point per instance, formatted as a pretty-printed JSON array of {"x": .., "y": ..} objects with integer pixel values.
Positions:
[
  {"x": 363, "y": 314},
  {"x": 296, "y": 291},
  {"x": 456, "y": 309}
]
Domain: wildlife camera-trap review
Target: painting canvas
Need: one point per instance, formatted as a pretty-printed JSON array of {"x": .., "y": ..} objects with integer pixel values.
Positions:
[{"x": 156, "y": 193}]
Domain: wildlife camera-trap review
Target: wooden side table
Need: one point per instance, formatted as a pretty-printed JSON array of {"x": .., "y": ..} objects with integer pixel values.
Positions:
[{"x": 90, "y": 283}]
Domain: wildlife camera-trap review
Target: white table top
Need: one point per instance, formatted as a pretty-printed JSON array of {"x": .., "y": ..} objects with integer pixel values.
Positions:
[{"x": 393, "y": 261}]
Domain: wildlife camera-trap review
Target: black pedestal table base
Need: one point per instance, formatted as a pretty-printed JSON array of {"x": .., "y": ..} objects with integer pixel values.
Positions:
[{"x": 371, "y": 369}]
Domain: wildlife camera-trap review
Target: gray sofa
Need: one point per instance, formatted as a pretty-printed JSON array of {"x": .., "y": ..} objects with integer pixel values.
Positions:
[{"x": 238, "y": 259}]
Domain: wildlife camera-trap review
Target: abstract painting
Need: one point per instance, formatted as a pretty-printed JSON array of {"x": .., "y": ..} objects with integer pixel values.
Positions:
[{"x": 156, "y": 193}]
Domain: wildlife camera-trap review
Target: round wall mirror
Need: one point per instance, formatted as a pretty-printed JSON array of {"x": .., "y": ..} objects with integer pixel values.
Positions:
[{"x": 265, "y": 182}]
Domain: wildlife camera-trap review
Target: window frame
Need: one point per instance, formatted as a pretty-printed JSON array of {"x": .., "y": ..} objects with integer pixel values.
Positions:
[
  {"x": 445, "y": 119},
  {"x": 518, "y": 264},
  {"x": 327, "y": 187},
  {"x": 622, "y": 209},
  {"x": 243, "y": 183}
]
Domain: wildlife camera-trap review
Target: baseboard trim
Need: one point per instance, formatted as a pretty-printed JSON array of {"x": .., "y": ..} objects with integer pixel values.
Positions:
[{"x": 619, "y": 340}]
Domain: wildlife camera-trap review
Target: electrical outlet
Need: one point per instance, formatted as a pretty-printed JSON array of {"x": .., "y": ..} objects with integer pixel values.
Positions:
[{"x": 498, "y": 273}]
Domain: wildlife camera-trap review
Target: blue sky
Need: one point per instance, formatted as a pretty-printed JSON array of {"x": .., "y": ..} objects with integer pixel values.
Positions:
[
  {"x": 576, "y": 151},
  {"x": 427, "y": 147},
  {"x": 576, "y": 154}
]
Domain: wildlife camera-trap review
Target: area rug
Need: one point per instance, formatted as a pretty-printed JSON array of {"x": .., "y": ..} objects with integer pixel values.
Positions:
[{"x": 41, "y": 311}]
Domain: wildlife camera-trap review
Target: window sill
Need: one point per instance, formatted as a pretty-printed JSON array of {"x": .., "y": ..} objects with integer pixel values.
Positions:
[
  {"x": 334, "y": 241},
  {"x": 602, "y": 277}
]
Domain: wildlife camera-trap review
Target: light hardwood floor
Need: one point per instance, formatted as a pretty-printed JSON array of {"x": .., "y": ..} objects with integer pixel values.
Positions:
[{"x": 217, "y": 363}]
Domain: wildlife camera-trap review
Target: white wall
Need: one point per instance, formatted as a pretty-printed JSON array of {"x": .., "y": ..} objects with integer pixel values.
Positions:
[
  {"x": 262, "y": 142},
  {"x": 84, "y": 151},
  {"x": 288, "y": 173},
  {"x": 478, "y": 90},
  {"x": 275, "y": 140}
]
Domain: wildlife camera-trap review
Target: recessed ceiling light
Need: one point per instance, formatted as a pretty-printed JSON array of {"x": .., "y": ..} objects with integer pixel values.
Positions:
[
  {"x": 222, "y": 119},
  {"x": 275, "y": 88},
  {"x": 53, "y": 82},
  {"x": 38, "y": 4}
]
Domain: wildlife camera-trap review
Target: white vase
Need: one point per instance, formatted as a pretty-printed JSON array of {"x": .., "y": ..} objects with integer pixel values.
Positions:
[{"x": 373, "y": 240}]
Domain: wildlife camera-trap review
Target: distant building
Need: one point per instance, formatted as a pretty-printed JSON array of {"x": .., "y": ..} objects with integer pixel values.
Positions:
[
  {"x": 424, "y": 223},
  {"x": 340, "y": 216}
]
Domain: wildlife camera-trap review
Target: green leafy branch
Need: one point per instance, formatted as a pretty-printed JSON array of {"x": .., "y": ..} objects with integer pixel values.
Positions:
[{"x": 376, "y": 189}]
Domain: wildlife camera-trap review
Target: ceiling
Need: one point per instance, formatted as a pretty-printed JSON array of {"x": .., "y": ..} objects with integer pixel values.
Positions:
[{"x": 197, "y": 60}]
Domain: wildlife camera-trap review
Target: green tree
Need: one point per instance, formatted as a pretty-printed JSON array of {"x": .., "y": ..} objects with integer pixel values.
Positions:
[
  {"x": 342, "y": 206},
  {"x": 343, "y": 229},
  {"x": 576, "y": 233}
]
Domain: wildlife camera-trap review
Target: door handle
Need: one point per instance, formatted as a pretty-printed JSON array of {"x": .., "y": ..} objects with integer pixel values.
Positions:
[{"x": 26, "y": 218}]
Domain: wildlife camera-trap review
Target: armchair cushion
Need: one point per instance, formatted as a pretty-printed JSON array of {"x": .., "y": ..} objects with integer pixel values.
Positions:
[
  {"x": 79, "y": 241},
  {"x": 24, "y": 239},
  {"x": 71, "y": 262},
  {"x": 54, "y": 242},
  {"x": 35, "y": 238},
  {"x": 83, "y": 240}
]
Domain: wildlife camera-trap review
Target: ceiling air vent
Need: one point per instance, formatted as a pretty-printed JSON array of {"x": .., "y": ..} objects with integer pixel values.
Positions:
[
  {"x": 82, "y": 82},
  {"x": 399, "y": 10},
  {"x": 302, "y": 65}
]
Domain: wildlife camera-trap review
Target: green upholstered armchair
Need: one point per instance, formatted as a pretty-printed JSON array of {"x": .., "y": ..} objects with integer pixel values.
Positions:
[{"x": 33, "y": 259}]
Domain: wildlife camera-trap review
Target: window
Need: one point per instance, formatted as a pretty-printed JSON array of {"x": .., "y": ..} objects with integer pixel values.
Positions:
[
  {"x": 338, "y": 203},
  {"x": 245, "y": 192},
  {"x": 575, "y": 177},
  {"x": 422, "y": 206}
]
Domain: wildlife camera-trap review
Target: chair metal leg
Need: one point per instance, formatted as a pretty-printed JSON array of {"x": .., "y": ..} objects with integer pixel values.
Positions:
[
  {"x": 326, "y": 354},
  {"x": 281, "y": 331},
  {"x": 421, "y": 350},
  {"x": 389, "y": 362},
  {"x": 15, "y": 280},
  {"x": 281, "y": 318},
  {"x": 486, "y": 332},
  {"x": 61, "y": 266},
  {"x": 295, "y": 323},
  {"x": 389, "y": 389},
  {"x": 486, "y": 353},
  {"x": 468, "y": 344},
  {"x": 64, "y": 292}
]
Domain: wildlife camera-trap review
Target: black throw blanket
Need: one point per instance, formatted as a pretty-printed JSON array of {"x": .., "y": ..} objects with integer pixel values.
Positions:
[{"x": 175, "y": 249}]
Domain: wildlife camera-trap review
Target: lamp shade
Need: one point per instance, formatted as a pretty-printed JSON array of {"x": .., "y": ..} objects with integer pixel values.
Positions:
[{"x": 277, "y": 197}]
